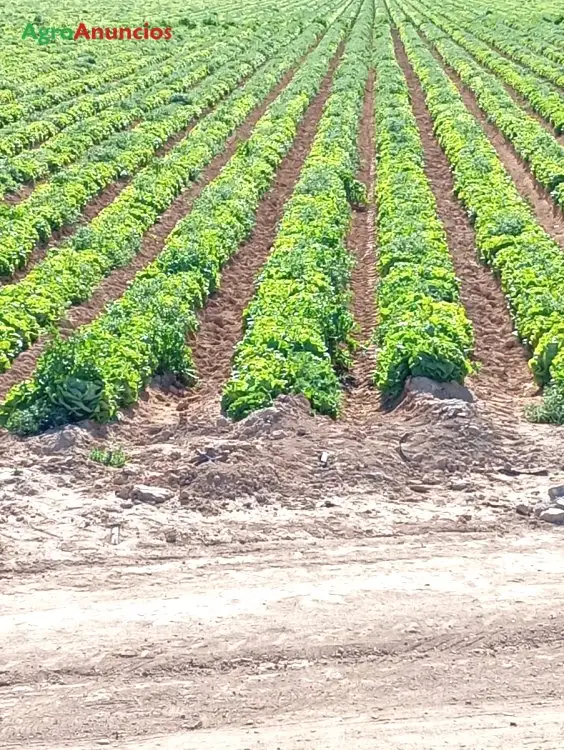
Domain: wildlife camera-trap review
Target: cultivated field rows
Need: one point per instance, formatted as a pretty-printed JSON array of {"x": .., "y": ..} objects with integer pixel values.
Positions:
[
  {"x": 281, "y": 369},
  {"x": 328, "y": 201}
]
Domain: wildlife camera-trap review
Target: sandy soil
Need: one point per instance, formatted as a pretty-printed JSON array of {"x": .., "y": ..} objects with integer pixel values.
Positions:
[
  {"x": 391, "y": 599},
  {"x": 419, "y": 641}
]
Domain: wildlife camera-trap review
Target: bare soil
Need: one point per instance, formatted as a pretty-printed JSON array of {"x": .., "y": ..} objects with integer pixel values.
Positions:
[
  {"x": 361, "y": 400},
  {"x": 390, "y": 599},
  {"x": 331, "y": 644}
]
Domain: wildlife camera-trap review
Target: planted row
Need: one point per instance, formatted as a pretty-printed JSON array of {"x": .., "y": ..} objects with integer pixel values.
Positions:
[
  {"x": 32, "y": 131},
  {"x": 534, "y": 144},
  {"x": 422, "y": 326},
  {"x": 149, "y": 89},
  {"x": 161, "y": 63},
  {"x": 35, "y": 102},
  {"x": 298, "y": 325},
  {"x": 535, "y": 37},
  {"x": 59, "y": 201},
  {"x": 104, "y": 366},
  {"x": 512, "y": 44},
  {"x": 544, "y": 98},
  {"x": 69, "y": 274},
  {"x": 529, "y": 263},
  {"x": 75, "y": 141}
]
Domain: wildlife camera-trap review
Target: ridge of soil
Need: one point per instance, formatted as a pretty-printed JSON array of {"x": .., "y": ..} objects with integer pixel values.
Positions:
[{"x": 504, "y": 378}]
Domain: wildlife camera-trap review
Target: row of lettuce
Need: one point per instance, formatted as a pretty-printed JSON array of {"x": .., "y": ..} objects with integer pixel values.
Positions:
[
  {"x": 154, "y": 104},
  {"x": 38, "y": 127},
  {"x": 102, "y": 65},
  {"x": 59, "y": 201},
  {"x": 147, "y": 94},
  {"x": 48, "y": 95},
  {"x": 71, "y": 272},
  {"x": 422, "y": 326},
  {"x": 140, "y": 94},
  {"x": 543, "y": 97},
  {"x": 104, "y": 365},
  {"x": 531, "y": 50},
  {"x": 533, "y": 30},
  {"x": 532, "y": 142},
  {"x": 297, "y": 327},
  {"x": 529, "y": 263},
  {"x": 544, "y": 25}
]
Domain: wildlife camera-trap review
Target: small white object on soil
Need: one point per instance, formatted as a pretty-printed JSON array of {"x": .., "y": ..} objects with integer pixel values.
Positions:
[
  {"x": 451, "y": 390},
  {"x": 553, "y": 515},
  {"x": 114, "y": 536},
  {"x": 144, "y": 493}
]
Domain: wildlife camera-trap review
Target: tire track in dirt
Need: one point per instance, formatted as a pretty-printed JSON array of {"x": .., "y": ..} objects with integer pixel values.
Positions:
[
  {"x": 114, "y": 285},
  {"x": 361, "y": 401},
  {"x": 548, "y": 214},
  {"x": 417, "y": 635},
  {"x": 504, "y": 376},
  {"x": 220, "y": 322}
]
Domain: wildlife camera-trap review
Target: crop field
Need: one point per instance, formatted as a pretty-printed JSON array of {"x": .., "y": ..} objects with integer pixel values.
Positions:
[
  {"x": 133, "y": 175},
  {"x": 275, "y": 271}
]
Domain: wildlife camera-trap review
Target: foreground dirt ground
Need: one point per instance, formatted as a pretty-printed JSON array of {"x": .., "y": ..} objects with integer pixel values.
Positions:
[
  {"x": 385, "y": 595},
  {"x": 430, "y": 641}
]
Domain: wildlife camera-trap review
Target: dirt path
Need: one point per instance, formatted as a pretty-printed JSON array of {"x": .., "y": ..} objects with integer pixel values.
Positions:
[
  {"x": 361, "y": 401},
  {"x": 419, "y": 641},
  {"x": 388, "y": 598},
  {"x": 504, "y": 377}
]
